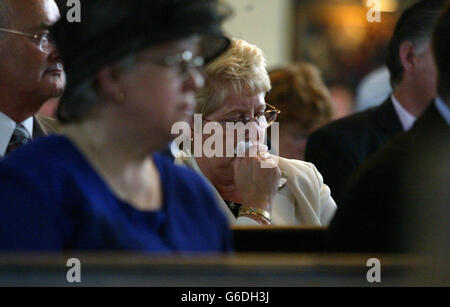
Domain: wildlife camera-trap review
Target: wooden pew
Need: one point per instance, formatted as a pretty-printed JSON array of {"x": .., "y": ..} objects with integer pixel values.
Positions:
[
  {"x": 218, "y": 270},
  {"x": 286, "y": 239}
]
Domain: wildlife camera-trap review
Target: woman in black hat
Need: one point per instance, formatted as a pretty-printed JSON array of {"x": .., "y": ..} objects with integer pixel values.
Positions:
[{"x": 132, "y": 70}]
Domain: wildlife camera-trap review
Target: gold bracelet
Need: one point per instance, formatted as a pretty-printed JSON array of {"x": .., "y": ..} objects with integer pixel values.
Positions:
[{"x": 267, "y": 217}]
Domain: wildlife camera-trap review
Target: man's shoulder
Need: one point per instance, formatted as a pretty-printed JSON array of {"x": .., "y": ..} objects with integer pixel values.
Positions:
[
  {"x": 369, "y": 129},
  {"x": 353, "y": 124},
  {"x": 429, "y": 132},
  {"x": 353, "y": 131}
]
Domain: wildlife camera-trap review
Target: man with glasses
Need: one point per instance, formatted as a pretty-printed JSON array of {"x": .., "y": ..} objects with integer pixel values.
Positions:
[{"x": 31, "y": 71}]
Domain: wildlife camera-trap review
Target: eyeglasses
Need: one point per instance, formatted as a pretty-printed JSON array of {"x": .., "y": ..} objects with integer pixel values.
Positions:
[
  {"x": 184, "y": 62},
  {"x": 267, "y": 118},
  {"x": 44, "y": 40}
]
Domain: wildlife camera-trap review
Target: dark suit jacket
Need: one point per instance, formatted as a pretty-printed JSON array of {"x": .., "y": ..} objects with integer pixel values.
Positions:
[
  {"x": 395, "y": 200},
  {"x": 339, "y": 148},
  {"x": 44, "y": 125}
]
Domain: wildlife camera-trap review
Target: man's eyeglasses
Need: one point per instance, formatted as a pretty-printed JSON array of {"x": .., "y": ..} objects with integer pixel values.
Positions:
[
  {"x": 267, "y": 118},
  {"x": 184, "y": 62},
  {"x": 44, "y": 40}
]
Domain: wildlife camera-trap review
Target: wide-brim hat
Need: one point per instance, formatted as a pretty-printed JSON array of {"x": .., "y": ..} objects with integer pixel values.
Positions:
[{"x": 111, "y": 29}]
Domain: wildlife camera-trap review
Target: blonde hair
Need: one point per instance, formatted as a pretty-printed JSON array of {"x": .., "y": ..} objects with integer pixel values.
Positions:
[{"x": 242, "y": 69}]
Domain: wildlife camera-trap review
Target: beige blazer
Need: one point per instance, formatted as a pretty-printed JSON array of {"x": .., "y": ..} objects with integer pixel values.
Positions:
[
  {"x": 47, "y": 125},
  {"x": 303, "y": 201}
]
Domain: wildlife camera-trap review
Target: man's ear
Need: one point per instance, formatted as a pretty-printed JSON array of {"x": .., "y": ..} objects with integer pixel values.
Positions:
[
  {"x": 407, "y": 56},
  {"x": 110, "y": 85}
]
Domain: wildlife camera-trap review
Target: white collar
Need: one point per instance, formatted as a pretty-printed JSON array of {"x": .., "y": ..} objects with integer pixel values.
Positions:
[
  {"x": 7, "y": 126},
  {"x": 443, "y": 108},
  {"x": 406, "y": 119}
]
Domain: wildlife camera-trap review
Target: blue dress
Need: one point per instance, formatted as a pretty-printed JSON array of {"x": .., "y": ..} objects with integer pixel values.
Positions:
[{"x": 52, "y": 199}]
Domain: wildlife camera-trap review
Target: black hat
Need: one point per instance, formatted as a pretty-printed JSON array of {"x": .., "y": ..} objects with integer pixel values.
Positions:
[{"x": 111, "y": 29}]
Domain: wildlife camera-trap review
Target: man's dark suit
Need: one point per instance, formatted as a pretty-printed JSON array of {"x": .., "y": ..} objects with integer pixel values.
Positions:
[
  {"x": 339, "y": 148},
  {"x": 43, "y": 125},
  {"x": 395, "y": 200}
]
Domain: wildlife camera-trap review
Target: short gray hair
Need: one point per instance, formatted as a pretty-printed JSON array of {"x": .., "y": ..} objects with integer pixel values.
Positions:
[
  {"x": 86, "y": 97},
  {"x": 415, "y": 25}
]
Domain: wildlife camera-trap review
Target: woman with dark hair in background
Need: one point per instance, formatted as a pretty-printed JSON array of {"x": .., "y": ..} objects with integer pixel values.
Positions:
[{"x": 305, "y": 104}]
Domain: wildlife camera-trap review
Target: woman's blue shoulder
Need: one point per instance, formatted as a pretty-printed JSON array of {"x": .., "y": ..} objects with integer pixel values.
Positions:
[
  {"x": 169, "y": 171},
  {"x": 188, "y": 187},
  {"x": 46, "y": 154},
  {"x": 42, "y": 147}
]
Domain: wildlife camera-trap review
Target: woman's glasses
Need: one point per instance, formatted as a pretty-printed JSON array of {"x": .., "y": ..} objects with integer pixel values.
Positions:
[
  {"x": 265, "y": 119},
  {"x": 184, "y": 62}
]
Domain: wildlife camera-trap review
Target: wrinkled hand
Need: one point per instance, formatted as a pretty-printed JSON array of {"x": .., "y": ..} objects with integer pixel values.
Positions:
[{"x": 257, "y": 186}]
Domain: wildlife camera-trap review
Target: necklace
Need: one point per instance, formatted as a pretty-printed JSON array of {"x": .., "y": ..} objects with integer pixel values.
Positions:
[{"x": 234, "y": 207}]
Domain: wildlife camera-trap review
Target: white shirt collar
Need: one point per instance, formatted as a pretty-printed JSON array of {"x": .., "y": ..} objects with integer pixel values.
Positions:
[
  {"x": 7, "y": 126},
  {"x": 406, "y": 119},
  {"x": 443, "y": 108}
]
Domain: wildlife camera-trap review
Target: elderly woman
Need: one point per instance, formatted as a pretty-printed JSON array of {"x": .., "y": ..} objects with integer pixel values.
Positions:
[
  {"x": 299, "y": 92},
  {"x": 130, "y": 77},
  {"x": 290, "y": 192}
]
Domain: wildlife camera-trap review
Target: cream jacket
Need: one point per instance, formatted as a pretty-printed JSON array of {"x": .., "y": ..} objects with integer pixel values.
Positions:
[
  {"x": 303, "y": 201},
  {"x": 47, "y": 124}
]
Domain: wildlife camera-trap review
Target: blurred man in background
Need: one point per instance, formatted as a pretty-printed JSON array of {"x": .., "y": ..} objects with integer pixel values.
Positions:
[
  {"x": 299, "y": 92},
  {"x": 31, "y": 71},
  {"x": 338, "y": 148},
  {"x": 398, "y": 199}
]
